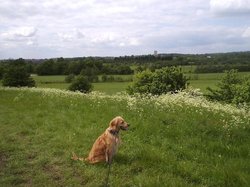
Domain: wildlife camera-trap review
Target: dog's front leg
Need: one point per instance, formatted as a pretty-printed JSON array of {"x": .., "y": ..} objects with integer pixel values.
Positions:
[{"x": 109, "y": 155}]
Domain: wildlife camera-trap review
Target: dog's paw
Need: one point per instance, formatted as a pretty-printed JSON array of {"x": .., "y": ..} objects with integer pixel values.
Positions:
[
  {"x": 81, "y": 159},
  {"x": 74, "y": 157}
]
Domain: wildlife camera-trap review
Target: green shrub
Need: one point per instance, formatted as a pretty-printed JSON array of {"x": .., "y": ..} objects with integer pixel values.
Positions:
[
  {"x": 69, "y": 78},
  {"x": 159, "y": 82},
  {"x": 231, "y": 89},
  {"x": 104, "y": 78},
  {"x": 82, "y": 84},
  {"x": 16, "y": 75}
]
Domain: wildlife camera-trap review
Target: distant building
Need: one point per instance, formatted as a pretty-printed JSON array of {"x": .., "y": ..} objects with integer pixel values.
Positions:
[{"x": 155, "y": 53}]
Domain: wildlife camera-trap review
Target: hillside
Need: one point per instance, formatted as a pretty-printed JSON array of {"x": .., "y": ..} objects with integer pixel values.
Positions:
[{"x": 174, "y": 140}]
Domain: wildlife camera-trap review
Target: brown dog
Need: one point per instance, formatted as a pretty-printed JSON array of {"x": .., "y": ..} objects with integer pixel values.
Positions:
[{"x": 106, "y": 145}]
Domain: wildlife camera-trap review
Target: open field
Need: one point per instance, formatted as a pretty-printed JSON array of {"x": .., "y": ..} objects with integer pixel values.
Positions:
[
  {"x": 59, "y": 83},
  {"x": 111, "y": 87},
  {"x": 201, "y": 81},
  {"x": 204, "y": 80},
  {"x": 174, "y": 140}
]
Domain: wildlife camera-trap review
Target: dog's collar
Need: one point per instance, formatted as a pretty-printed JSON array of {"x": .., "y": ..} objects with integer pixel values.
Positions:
[{"x": 113, "y": 132}]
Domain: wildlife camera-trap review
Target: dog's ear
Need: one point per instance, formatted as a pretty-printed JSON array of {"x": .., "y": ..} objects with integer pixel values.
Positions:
[{"x": 113, "y": 123}]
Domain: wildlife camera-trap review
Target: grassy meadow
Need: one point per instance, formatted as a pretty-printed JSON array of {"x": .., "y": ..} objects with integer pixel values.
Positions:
[
  {"x": 58, "y": 82},
  {"x": 201, "y": 81},
  {"x": 174, "y": 140}
]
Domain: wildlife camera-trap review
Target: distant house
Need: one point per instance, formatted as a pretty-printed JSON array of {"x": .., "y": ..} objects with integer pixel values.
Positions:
[{"x": 155, "y": 53}]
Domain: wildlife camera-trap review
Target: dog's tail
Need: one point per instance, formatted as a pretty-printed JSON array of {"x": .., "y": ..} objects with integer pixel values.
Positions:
[{"x": 75, "y": 157}]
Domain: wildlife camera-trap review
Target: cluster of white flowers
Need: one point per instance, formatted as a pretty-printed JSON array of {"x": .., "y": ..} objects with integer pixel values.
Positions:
[{"x": 184, "y": 99}]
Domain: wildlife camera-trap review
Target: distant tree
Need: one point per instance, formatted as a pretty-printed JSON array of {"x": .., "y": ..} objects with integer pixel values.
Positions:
[
  {"x": 1, "y": 70},
  {"x": 16, "y": 75},
  {"x": 61, "y": 67},
  {"x": 46, "y": 68},
  {"x": 90, "y": 73},
  {"x": 75, "y": 67},
  {"x": 82, "y": 84},
  {"x": 139, "y": 69}
]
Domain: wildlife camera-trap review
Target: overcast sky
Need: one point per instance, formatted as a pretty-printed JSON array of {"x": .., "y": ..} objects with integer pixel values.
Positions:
[{"x": 70, "y": 28}]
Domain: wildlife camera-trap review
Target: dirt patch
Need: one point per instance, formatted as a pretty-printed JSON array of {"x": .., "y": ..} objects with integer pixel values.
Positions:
[
  {"x": 78, "y": 176},
  {"x": 31, "y": 156},
  {"x": 54, "y": 172},
  {"x": 3, "y": 160}
]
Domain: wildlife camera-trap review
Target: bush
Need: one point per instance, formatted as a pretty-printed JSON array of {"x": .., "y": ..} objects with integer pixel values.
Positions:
[
  {"x": 82, "y": 84},
  {"x": 69, "y": 78},
  {"x": 104, "y": 78},
  {"x": 232, "y": 89},
  {"x": 159, "y": 82},
  {"x": 16, "y": 75}
]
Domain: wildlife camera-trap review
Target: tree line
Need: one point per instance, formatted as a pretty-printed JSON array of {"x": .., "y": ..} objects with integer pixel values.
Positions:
[
  {"x": 203, "y": 63},
  {"x": 61, "y": 66}
]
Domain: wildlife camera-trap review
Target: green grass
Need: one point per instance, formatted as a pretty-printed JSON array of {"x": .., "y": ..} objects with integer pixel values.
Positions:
[
  {"x": 172, "y": 144},
  {"x": 111, "y": 87},
  {"x": 49, "y": 78},
  {"x": 201, "y": 81},
  {"x": 204, "y": 80},
  {"x": 58, "y": 82}
]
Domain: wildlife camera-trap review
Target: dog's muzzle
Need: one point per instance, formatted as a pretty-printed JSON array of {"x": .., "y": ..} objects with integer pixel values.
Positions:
[{"x": 124, "y": 127}]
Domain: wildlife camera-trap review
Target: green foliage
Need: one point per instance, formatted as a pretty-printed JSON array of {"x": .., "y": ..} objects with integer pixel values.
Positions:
[
  {"x": 232, "y": 89},
  {"x": 159, "y": 82},
  {"x": 69, "y": 78},
  {"x": 242, "y": 92},
  {"x": 82, "y": 84},
  {"x": 2, "y": 69},
  {"x": 90, "y": 74},
  {"x": 16, "y": 75},
  {"x": 46, "y": 68},
  {"x": 104, "y": 78}
]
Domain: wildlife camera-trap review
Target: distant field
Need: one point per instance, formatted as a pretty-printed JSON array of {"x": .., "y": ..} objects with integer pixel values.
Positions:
[
  {"x": 111, "y": 87},
  {"x": 201, "y": 81},
  {"x": 59, "y": 82},
  {"x": 204, "y": 80}
]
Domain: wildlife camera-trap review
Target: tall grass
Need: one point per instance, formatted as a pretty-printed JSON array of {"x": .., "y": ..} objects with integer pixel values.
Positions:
[{"x": 174, "y": 140}]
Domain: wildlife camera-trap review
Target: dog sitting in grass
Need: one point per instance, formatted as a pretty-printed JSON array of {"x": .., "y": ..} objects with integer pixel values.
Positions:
[{"x": 105, "y": 147}]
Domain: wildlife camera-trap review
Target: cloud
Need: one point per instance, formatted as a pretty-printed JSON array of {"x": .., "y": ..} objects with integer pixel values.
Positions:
[
  {"x": 230, "y": 7},
  {"x": 120, "y": 27},
  {"x": 19, "y": 33},
  {"x": 246, "y": 33},
  {"x": 65, "y": 37},
  {"x": 79, "y": 34}
]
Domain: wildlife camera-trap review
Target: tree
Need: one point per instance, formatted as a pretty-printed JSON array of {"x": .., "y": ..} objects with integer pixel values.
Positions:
[
  {"x": 82, "y": 84},
  {"x": 159, "y": 82},
  {"x": 46, "y": 68},
  {"x": 16, "y": 75},
  {"x": 231, "y": 89},
  {"x": 90, "y": 73}
]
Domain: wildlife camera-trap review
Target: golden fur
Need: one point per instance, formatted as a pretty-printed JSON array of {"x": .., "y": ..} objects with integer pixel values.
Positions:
[{"x": 106, "y": 145}]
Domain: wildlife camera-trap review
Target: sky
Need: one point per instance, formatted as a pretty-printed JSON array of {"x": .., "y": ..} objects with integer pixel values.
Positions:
[{"x": 76, "y": 28}]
